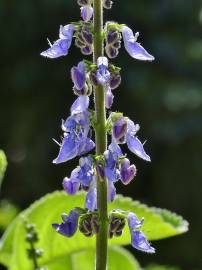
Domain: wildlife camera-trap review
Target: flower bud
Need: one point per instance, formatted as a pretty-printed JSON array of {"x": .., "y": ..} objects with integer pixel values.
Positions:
[
  {"x": 115, "y": 80},
  {"x": 119, "y": 128},
  {"x": 86, "y": 13},
  {"x": 107, "y": 4},
  {"x": 87, "y": 36},
  {"x": 111, "y": 52},
  {"x": 70, "y": 187},
  {"x": 128, "y": 172},
  {"x": 112, "y": 37},
  {"x": 87, "y": 50},
  {"x": 116, "y": 226},
  {"x": 89, "y": 225}
]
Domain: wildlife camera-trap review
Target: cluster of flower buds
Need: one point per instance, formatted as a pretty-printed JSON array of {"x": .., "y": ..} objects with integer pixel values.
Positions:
[
  {"x": 84, "y": 39},
  {"x": 113, "y": 165},
  {"x": 116, "y": 225},
  {"x": 89, "y": 224},
  {"x": 32, "y": 238},
  {"x": 113, "y": 43}
]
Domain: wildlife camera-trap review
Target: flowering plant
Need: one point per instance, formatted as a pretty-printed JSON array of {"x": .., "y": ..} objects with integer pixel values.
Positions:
[{"x": 98, "y": 172}]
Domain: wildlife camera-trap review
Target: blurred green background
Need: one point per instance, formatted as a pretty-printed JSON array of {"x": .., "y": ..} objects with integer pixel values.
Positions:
[{"x": 164, "y": 97}]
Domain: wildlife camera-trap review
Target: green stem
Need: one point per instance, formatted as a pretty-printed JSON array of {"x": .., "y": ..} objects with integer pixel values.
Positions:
[{"x": 101, "y": 144}]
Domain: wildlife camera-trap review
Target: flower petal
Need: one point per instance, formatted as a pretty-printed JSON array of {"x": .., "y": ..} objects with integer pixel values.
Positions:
[
  {"x": 134, "y": 48},
  {"x": 136, "y": 147},
  {"x": 79, "y": 76},
  {"x": 68, "y": 149},
  {"x": 134, "y": 222},
  {"x": 59, "y": 48},
  {"x": 139, "y": 241},
  {"x": 69, "y": 227},
  {"x": 80, "y": 105}
]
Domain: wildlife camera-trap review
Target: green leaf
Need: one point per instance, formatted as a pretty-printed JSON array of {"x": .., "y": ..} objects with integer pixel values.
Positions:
[
  {"x": 158, "y": 224},
  {"x": 160, "y": 267},
  {"x": 3, "y": 165}
]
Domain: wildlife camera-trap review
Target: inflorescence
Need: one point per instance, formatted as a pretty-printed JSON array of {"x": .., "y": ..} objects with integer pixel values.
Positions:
[{"x": 77, "y": 129}]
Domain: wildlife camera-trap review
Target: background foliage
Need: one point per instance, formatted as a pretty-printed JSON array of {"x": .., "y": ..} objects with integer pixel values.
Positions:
[{"x": 165, "y": 97}]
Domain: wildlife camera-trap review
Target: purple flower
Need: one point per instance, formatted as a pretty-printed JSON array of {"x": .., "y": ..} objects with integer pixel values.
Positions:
[
  {"x": 69, "y": 225},
  {"x": 140, "y": 242},
  {"x": 120, "y": 128},
  {"x": 86, "y": 172},
  {"x": 109, "y": 97},
  {"x": 78, "y": 75},
  {"x": 127, "y": 171},
  {"x": 103, "y": 74},
  {"x": 138, "y": 239},
  {"x": 86, "y": 13},
  {"x": 134, "y": 48},
  {"x": 76, "y": 130},
  {"x": 62, "y": 45},
  {"x": 134, "y": 144},
  {"x": 71, "y": 185},
  {"x": 112, "y": 156}
]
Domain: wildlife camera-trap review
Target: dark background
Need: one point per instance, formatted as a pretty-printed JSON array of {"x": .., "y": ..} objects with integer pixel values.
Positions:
[{"x": 165, "y": 97}]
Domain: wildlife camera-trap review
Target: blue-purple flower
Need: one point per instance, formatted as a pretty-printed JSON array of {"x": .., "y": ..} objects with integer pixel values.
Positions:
[
  {"x": 78, "y": 75},
  {"x": 62, "y": 45},
  {"x": 128, "y": 135},
  {"x": 127, "y": 171},
  {"x": 69, "y": 225},
  {"x": 134, "y": 48},
  {"x": 138, "y": 239},
  {"x": 103, "y": 74},
  {"x": 76, "y": 131}
]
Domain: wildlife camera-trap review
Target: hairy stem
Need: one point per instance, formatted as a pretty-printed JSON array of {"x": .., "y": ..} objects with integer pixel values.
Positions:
[{"x": 101, "y": 144}]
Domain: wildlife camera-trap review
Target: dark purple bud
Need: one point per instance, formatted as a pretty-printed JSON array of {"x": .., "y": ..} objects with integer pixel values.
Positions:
[
  {"x": 80, "y": 37},
  {"x": 116, "y": 226},
  {"x": 112, "y": 37},
  {"x": 83, "y": 2},
  {"x": 117, "y": 45},
  {"x": 111, "y": 52},
  {"x": 87, "y": 36},
  {"x": 79, "y": 44},
  {"x": 119, "y": 128},
  {"x": 107, "y": 4},
  {"x": 88, "y": 50},
  {"x": 115, "y": 80}
]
